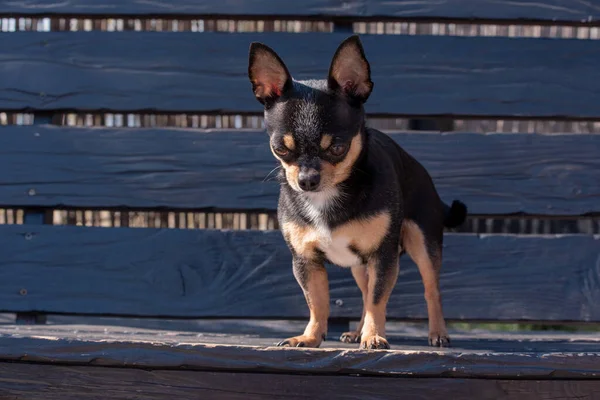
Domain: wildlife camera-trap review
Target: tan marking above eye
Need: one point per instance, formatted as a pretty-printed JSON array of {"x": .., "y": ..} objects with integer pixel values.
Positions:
[
  {"x": 326, "y": 141},
  {"x": 289, "y": 142}
]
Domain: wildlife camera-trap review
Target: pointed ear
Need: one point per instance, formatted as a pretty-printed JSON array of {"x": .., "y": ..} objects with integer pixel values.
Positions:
[
  {"x": 350, "y": 73},
  {"x": 267, "y": 72}
]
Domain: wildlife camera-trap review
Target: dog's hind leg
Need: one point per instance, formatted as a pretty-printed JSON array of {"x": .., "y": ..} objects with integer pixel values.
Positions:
[{"x": 425, "y": 249}]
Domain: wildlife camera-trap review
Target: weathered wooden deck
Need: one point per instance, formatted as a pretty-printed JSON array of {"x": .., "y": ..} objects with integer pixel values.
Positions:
[{"x": 237, "y": 359}]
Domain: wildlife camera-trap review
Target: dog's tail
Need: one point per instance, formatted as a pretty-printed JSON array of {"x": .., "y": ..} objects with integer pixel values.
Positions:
[{"x": 455, "y": 214}]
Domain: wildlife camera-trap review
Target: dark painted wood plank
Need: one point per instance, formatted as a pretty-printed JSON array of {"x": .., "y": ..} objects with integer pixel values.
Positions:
[
  {"x": 47, "y": 382},
  {"x": 427, "y": 75},
  {"x": 549, "y": 10},
  {"x": 192, "y": 354},
  {"x": 211, "y": 8},
  {"x": 206, "y": 273},
  {"x": 137, "y": 168},
  {"x": 176, "y": 168}
]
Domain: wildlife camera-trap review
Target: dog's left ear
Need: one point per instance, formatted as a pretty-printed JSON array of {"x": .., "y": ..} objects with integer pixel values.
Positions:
[{"x": 350, "y": 73}]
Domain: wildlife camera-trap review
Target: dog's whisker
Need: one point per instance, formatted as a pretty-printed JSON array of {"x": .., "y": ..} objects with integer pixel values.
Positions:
[{"x": 269, "y": 174}]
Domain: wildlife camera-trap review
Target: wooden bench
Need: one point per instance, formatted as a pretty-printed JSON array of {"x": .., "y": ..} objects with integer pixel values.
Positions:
[{"x": 195, "y": 313}]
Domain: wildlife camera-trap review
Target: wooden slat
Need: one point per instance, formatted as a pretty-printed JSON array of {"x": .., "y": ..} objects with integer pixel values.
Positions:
[
  {"x": 177, "y": 168},
  {"x": 266, "y": 333},
  {"x": 546, "y": 10},
  {"x": 189, "y": 351},
  {"x": 211, "y": 8},
  {"x": 47, "y": 382},
  {"x": 413, "y": 75},
  {"x": 549, "y": 10},
  {"x": 205, "y": 273}
]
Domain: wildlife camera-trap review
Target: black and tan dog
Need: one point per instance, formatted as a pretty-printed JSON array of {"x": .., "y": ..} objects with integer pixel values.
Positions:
[{"x": 349, "y": 194}]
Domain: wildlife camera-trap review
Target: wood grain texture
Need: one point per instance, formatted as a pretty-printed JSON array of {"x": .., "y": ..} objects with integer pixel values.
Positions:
[
  {"x": 193, "y": 354},
  {"x": 266, "y": 333},
  {"x": 413, "y": 75},
  {"x": 211, "y": 8},
  {"x": 549, "y": 10},
  {"x": 245, "y": 274},
  {"x": 45, "y": 382},
  {"x": 194, "y": 169}
]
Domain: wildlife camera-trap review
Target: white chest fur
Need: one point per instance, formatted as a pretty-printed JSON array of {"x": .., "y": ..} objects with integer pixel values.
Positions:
[
  {"x": 342, "y": 245},
  {"x": 335, "y": 245},
  {"x": 337, "y": 250}
]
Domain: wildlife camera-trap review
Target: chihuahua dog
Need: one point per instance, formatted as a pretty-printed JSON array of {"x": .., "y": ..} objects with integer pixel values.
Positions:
[{"x": 350, "y": 195}]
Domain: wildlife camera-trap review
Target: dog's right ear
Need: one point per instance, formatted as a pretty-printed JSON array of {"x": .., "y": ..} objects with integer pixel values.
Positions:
[
  {"x": 350, "y": 73},
  {"x": 268, "y": 74}
]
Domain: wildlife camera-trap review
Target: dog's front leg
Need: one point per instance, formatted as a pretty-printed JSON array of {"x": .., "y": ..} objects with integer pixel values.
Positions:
[
  {"x": 312, "y": 278},
  {"x": 382, "y": 270},
  {"x": 361, "y": 277}
]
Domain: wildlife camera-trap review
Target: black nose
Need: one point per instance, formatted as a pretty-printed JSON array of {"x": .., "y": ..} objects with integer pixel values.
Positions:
[{"x": 309, "y": 180}]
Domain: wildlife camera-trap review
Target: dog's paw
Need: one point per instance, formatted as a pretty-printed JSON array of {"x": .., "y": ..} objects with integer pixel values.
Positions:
[
  {"x": 350, "y": 337},
  {"x": 374, "y": 342},
  {"x": 439, "y": 339},
  {"x": 301, "y": 341}
]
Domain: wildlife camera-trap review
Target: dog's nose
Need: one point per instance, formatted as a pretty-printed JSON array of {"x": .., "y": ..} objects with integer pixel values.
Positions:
[{"x": 309, "y": 180}]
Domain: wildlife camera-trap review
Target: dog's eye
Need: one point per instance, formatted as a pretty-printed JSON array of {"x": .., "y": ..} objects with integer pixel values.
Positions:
[
  {"x": 281, "y": 151},
  {"x": 337, "y": 150}
]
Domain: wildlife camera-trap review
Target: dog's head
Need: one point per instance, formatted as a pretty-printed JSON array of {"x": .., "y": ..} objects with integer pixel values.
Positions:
[{"x": 315, "y": 125}]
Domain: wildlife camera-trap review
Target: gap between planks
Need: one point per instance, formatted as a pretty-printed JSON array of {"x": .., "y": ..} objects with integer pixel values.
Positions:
[
  {"x": 239, "y": 121},
  {"x": 518, "y": 29}
]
